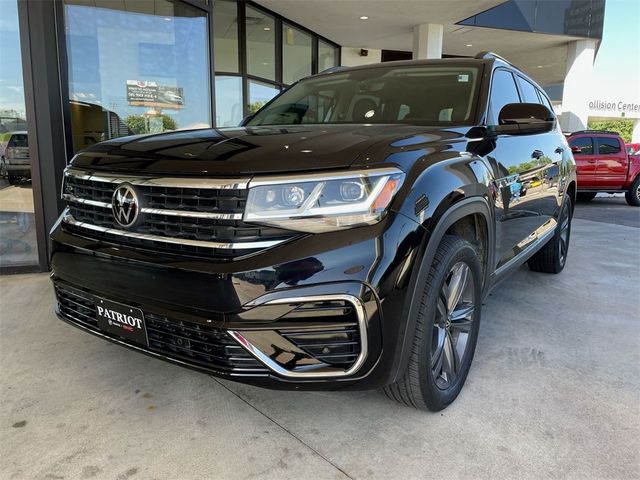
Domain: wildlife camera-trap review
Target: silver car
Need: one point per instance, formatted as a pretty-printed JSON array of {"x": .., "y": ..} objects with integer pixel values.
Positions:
[{"x": 16, "y": 162}]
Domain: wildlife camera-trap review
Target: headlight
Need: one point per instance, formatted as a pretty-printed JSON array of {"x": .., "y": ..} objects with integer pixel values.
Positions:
[{"x": 322, "y": 203}]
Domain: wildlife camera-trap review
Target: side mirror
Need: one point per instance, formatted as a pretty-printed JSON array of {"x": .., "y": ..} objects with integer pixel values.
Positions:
[
  {"x": 524, "y": 118},
  {"x": 576, "y": 149}
]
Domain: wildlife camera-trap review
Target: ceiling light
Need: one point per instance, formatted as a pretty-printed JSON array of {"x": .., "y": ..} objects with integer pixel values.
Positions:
[
  {"x": 469, "y": 45},
  {"x": 539, "y": 66},
  {"x": 364, "y": 17},
  {"x": 267, "y": 29}
]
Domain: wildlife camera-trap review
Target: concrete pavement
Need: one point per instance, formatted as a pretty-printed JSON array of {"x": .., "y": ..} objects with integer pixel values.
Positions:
[{"x": 554, "y": 392}]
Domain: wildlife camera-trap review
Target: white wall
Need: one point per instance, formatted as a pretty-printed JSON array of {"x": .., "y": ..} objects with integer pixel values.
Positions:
[{"x": 351, "y": 56}]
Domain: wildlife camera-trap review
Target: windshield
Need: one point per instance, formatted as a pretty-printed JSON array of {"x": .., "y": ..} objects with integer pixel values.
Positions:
[
  {"x": 423, "y": 95},
  {"x": 18, "y": 140}
]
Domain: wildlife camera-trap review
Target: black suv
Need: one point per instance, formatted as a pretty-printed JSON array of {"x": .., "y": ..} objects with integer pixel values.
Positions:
[{"x": 343, "y": 237}]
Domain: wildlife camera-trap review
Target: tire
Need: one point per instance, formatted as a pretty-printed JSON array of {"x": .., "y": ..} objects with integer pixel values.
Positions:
[
  {"x": 444, "y": 341},
  {"x": 586, "y": 196},
  {"x": 553, "y": 256},
  {"x": 633, "y": 195}
]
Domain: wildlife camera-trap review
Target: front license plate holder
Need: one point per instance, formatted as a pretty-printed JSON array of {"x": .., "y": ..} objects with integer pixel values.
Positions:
[{"x": 121, "y": 320}]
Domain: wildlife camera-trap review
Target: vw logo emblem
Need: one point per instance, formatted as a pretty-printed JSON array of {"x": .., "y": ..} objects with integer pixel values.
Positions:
[{"x": 125, "y": 205}]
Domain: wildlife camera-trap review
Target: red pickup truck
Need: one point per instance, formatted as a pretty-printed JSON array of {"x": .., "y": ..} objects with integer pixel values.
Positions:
[{"x": 603, "y": 165}]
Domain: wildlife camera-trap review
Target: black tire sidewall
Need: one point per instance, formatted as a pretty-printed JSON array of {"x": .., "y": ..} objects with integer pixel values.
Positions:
[
  {"x": 631, "y": 197},
  {"x": 566, "y": 209},
  {"x": 435, "y": 397}
]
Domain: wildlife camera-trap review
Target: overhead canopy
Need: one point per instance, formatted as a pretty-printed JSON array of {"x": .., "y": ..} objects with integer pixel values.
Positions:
[{"x": 390, "y": 26}]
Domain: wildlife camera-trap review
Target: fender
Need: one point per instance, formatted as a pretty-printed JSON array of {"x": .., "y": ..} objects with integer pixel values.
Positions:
[{"x": 467, "y": 206}]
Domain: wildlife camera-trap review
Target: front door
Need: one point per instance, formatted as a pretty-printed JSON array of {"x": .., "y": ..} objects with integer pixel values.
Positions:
[{"x": 583, "y": 149}]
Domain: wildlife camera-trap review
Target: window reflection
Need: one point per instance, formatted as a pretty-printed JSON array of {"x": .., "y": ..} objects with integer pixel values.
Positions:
[
  {"x": 139, "y": 70},
  {"x": 259, "y": 94},
  {"x": 261, "y": 51},
  {"x": 18, "y": 241},
  {"x": 327, "y": 56},
  {"x": 228, "y": 101},
  {"x": 296, "y": 54},
  {"x": 225, "y": 31}
]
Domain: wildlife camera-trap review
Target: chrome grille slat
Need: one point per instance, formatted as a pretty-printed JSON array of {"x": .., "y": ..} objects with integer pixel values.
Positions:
[
  {"x": 171, "y": 182},
  {"x": 180, "y": 241},
  {"x": 158, "y": 211}
]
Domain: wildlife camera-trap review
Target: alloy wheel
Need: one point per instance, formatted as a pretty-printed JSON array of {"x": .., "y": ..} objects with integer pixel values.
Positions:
[
  {"x": 452, "y": 326},
  {"x": 565, "y": 221}
]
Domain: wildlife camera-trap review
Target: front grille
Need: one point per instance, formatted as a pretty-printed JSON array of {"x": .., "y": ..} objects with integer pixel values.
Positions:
[
  {"x": 180, "y": 227},
  {"x": 192, "y": 343},
  {"x": 211, "y": 200},
  {"x": 173, "y": 218}
]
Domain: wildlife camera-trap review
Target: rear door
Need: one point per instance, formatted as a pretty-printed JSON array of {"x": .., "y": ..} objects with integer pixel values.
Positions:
[
  {"x": 612, "y": 161},
  {"x": 583, "y": 148}
]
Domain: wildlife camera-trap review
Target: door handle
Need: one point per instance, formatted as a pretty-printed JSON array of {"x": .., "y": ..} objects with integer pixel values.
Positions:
[{"x": 591, "y": 161}]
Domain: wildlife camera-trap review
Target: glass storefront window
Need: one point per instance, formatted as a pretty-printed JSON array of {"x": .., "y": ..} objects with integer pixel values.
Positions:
[
  {"x": 225, "y": 32},
  {"x": 228, "y": 101},
  {"x": 18, "y": 241},
  {"x": 259, "y": 94},
  {"x": 141, "y": 67},
  {"x": 261, "y": 50},
  {"x": 296, "y": 54},
  {"x": 327, "y": 56}
]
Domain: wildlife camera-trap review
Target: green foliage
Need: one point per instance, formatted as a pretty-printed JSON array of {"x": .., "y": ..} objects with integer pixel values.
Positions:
[
  {"x": 140, "y": 123},
  {"x": 531, "y": 165},
  {"x": 623, "y": 127},
  {"x": 255, "y": 106},
  {"x": 137, "y": 124}
]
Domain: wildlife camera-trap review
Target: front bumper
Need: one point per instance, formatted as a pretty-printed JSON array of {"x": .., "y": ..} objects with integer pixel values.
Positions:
[
  {"x": 19, "y": 169},
  {"x": 277, "y": 342},
  {"x": 312, "y": 323}
]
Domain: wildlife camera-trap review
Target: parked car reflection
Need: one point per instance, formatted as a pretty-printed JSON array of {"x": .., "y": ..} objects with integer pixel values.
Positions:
[{"x": 15, "y": 161}]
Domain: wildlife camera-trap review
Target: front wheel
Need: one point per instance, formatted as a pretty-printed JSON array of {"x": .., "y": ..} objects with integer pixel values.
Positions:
[
  {"x": 446, "y": 329},
  {"x": 632, "y": 196},
  {"x": 552, "y": 257}
]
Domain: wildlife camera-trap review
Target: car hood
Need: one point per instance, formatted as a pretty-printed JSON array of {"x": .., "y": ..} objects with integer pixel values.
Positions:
[{"x": 245, "y": 151}]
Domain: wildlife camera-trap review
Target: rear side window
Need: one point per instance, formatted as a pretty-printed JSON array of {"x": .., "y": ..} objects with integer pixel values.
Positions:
[
  {"x": 503, "y": 92},
  {"x": 608, "y": 146},
  {"x": 582, "y": 146},
  {"x": 18, "y": 140},
  {"x": 528, "y": 91},
  {"x": 545, "y": 101}
]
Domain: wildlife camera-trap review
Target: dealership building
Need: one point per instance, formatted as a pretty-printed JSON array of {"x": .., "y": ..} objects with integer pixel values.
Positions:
[{"x": 77, "y": 72}]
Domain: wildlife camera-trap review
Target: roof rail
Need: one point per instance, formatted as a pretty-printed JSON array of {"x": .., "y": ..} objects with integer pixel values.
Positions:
[
  {"x": 485, "y": 55},
  {"x": 607, "y": 132}
]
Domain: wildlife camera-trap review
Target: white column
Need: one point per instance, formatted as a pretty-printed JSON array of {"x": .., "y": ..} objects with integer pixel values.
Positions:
[
  {"x": 635, "y": 134},
  {"x": 577, "y": 85},
  {"x": 427, "y": 41}
]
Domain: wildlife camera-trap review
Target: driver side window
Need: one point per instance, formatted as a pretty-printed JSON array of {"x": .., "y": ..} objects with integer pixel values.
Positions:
[{"x": 503, "y": 92}]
